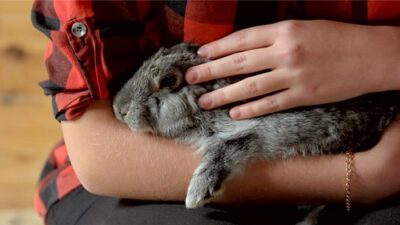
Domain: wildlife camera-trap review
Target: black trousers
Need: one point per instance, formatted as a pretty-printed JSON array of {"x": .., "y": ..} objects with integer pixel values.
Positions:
[{"x": 83, "y": 208}]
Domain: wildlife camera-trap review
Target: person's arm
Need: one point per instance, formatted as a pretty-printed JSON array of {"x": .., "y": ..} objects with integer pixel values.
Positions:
[{"x": 111, "y": 160}]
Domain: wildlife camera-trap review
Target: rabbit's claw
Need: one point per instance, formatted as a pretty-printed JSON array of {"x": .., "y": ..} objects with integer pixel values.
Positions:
[
  {"x": 202, "y": 189},
  {"x": 206, "y": 184}
]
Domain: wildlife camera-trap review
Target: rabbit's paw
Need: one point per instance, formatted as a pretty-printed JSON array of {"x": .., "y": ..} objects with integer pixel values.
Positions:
[{"x": 201, "y": 190}]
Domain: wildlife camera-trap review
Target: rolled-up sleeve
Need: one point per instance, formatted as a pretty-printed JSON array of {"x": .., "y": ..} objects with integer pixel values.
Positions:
[{"x": 91, "y": 44}]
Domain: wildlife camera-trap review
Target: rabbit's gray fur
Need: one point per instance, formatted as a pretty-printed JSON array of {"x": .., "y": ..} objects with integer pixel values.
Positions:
[{"x": 171, "y": 110}]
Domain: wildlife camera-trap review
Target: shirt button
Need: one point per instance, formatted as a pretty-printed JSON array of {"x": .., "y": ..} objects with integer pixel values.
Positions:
[{"x": 78, "y": 29}]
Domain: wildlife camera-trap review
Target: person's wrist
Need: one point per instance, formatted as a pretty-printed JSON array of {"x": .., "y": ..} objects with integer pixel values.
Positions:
[
  {"x": 364, "y": 179},
  {"x": 396, "y": 37},
  {"x": 376, "y": 177},
  {"x": 387, "y": 40}
]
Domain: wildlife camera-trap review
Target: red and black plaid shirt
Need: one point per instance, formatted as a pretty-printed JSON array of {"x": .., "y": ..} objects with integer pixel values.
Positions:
[{"x": 116, "y": 36}]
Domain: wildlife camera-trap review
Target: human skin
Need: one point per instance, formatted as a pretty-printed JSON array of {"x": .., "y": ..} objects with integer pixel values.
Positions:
[
  {"x": 312, "y": 62},
  {"x": 111, "y": 160}
]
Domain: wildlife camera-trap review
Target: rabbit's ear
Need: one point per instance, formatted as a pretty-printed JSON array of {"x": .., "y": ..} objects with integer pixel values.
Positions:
[
  {"x": 165, "y": 51},
  {"x": 188, "y": 60},
  {"x": 188, "y": 56},
  {"x": 185, "y": 47},
  {"x": 161, "y": 52}
]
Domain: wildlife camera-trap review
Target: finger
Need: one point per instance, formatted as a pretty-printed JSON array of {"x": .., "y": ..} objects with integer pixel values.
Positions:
[
  {"x": 247, "y": 88},
  {"x": 235, "y": 64},
  {"x": 277, "y": 102},
  {"x": 250, "y": 38}
]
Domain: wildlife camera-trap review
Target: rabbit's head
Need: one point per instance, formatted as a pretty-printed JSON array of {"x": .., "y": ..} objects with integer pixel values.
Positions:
[{"x": 157, "y": 98}]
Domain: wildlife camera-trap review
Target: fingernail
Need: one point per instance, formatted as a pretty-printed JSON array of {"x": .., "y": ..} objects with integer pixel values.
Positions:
[
  {"x": 191, "y": 75},
  {"x": 205, "y": 101},
  {"x": 235, "y": 113},
  {"x": 203, "y": 51}
]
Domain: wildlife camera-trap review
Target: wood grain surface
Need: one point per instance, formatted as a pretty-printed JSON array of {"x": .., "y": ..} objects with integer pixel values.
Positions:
[{"x": 27, "y": 128}]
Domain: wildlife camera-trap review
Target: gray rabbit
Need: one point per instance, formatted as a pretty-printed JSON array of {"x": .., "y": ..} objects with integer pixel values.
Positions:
[{"x": 158, "y": 99}]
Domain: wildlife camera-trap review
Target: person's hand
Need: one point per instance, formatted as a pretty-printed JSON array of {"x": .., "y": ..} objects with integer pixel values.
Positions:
[
  {"x": 376, "y": 174},
  {"x": 311, "y": 62}
]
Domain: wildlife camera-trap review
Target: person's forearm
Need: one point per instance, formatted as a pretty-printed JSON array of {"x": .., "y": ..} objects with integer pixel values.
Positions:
[
  {"x": 318, "y": 179},
  {"x": 111, "y": 160}
]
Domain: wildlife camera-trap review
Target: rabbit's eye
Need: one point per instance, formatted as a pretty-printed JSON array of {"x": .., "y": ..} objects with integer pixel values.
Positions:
[{"x": 168, "y": 81}]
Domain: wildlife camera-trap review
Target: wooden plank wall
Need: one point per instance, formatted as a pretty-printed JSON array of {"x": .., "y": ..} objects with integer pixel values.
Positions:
[{"x": 27, "y": 129}]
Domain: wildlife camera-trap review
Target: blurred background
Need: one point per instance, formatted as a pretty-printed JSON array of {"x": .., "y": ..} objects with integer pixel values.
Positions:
[{"x": 27, "y": 128}]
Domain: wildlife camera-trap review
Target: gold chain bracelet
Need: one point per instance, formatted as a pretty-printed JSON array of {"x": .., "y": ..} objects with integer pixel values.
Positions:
[{"x": 349, "y": 168}]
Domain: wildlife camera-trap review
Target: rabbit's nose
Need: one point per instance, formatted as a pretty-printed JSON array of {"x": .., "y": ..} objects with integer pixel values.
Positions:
[{"x": 123, "y": 114}]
